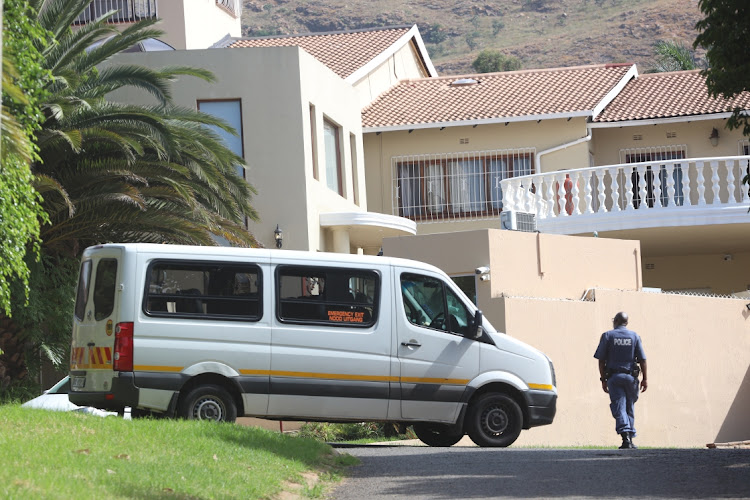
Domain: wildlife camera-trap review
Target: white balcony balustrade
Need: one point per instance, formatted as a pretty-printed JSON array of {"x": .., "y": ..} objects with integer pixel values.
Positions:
[
  {"x": 234, "y": 7},
  {"x": 681, "y": 192},
  {"x": 128, "y": 11}
]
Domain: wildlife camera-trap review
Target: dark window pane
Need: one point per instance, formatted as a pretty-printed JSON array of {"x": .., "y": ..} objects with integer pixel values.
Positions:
[
  {"x": 211, "y": 290},
  {"x": 82, "y": 292},
  {"x": 104, "y": 288},
  {"x": 346, "y": 297}
]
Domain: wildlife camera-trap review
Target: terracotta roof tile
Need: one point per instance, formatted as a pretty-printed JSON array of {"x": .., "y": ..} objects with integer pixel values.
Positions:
[
  {"x": 344, "y": 52},
  {"x": 667, "y": 95},
  {"x": 494, "y": 96}
]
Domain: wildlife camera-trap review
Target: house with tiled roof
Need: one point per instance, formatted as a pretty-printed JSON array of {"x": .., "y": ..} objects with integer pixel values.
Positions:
[
  {"x": 354, "y": 143},
  {"x": 575, "y": 147},
  {"x": 296, "y": 103}
]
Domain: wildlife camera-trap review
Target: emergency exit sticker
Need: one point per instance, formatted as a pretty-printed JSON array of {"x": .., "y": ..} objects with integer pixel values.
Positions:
[
  {"x": 109, "y": 328},
  {"x": 346, "y": 316}
]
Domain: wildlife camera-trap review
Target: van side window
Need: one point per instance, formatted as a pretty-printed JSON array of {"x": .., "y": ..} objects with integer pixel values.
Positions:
[
  {"x": 82, "y": 291},
  {"x": 332, "y": 296},
  {"x": 210, "y": 290},
  {"x": 104, "y": 288},
  {"x": 429, "y": 303}
]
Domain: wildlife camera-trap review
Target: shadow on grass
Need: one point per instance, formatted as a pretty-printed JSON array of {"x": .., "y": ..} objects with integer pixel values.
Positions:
[{"x": 305, "y": 450}]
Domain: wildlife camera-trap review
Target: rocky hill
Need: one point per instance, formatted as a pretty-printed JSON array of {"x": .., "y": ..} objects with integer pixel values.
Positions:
[{"x": 542, "y": 33}]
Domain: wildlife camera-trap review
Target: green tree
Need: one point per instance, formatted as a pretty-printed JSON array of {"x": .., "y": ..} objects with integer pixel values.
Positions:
[
  {"x": 492, "y": 61},
  {"x": 119, "y": 172},
  {"x": 671, "y": 55},
  {"x": 109, "y": 171},
  {"x": 724, "y": 32},
  {"x": 23, "y": 86}
]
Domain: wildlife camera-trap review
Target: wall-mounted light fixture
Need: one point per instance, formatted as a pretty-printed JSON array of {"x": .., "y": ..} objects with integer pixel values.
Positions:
[
  {"x": 714, "y": 137},
  {"x": 278, "y": 235},
  {"x": 748, "y": 306}
]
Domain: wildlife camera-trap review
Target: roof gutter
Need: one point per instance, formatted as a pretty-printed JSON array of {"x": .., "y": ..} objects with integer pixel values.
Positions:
[
  {"x": 660, "y": 121},
  {"x": 538, "y": 156},
  {"x": 474, "y": 122}
]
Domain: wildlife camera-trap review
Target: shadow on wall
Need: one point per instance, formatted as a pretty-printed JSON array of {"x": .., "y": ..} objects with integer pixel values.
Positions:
[{"x": 736, "y": 426}]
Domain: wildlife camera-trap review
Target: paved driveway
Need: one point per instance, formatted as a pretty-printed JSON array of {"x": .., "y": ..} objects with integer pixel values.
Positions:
[{"x": 418, "y": 472}]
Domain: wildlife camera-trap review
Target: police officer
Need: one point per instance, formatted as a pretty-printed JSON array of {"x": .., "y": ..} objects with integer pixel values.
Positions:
[{"x": 620, "y": 353}]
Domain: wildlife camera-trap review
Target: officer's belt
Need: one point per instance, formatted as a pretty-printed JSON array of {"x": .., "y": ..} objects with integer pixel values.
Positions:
[{"x": 633, "y": 371}]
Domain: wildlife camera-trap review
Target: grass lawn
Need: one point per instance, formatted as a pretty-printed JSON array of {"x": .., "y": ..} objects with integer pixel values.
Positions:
[{"x": 70, "y": 455}]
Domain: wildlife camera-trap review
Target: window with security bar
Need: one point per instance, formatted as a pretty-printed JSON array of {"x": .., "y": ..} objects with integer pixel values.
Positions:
[
  {"x": 655, "y": 154},
  {"x": 453, "y": 186}
]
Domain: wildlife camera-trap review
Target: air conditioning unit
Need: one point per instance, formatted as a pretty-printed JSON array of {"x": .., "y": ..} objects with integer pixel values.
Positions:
[{"x": 518, "y": 221}]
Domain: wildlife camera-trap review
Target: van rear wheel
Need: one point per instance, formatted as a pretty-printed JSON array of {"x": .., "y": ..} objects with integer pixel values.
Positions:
[
  {"x": 495, "y": 420},
  {"x": 208, "y": 402},
  {"x": 438, "y": 435}
]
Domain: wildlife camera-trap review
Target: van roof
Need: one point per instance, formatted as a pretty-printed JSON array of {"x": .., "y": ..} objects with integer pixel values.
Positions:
[{"x": 203, "y": 252}]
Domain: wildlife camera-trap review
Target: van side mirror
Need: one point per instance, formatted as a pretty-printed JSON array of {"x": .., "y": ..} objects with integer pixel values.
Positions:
[{"x": 476, "y": 325}]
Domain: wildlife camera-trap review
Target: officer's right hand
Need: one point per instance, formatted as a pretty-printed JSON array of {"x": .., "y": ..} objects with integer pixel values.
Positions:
[{"x": 604, "y": 386}]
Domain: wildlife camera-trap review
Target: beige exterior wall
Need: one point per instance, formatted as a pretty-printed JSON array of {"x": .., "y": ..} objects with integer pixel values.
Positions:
[
  {"x": 336, "y": 101},
  {"x": 698, "y": 348},
  {"x": 607, "y": 142},
  {"x": 196, "y": 24},
  {"x": 723, "y": 273},
  {"x": 403, "y": 64},
  {"x": 547, "y": 134},
  {"x": 275, "y": 87},
  {"x": 528, "y": 264}
]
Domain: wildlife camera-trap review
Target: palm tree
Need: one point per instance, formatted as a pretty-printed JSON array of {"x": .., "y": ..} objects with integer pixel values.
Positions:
[
  {"x": 117, "y": 172},
  {"x": 673, "y": 56}
]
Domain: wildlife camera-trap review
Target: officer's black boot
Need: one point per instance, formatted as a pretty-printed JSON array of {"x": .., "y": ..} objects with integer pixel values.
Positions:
[
  {"x": 627, "y": 443},
  {"x": 632, "y": 444}
]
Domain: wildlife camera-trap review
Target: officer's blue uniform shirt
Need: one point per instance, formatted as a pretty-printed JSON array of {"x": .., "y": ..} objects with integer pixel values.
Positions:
[{"x": 620, "y": 349}]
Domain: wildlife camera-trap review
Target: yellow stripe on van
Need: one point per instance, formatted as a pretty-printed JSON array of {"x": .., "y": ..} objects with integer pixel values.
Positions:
[
  {"x": 155, "y": 368},
  {"x": 337, "y": 376},
  {"x": 541, "y": 387}
]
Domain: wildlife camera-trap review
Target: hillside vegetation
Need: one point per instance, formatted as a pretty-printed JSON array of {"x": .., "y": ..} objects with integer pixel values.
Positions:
[{"x": 542, "y": 33}]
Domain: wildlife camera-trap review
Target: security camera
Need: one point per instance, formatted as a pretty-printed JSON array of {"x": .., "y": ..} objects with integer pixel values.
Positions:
[
  {"x": 484, "y": 277},
  {"x": 482, "y": 270},
  {"x": 728, "y": 257}
]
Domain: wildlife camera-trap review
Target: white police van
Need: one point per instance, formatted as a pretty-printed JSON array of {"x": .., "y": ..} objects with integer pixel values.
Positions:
[{"x": 217, "y": 332}]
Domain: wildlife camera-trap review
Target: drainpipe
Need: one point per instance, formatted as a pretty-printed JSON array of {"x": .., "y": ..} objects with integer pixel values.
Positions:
[{"x": 538, "y": 157}]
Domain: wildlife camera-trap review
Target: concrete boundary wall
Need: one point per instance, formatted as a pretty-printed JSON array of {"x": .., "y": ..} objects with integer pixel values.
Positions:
[
  {"x": 698, "y": 348},
  {"x": 698, "y": 352}
]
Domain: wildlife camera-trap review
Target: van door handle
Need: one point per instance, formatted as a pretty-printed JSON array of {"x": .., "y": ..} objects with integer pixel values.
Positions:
[{"x": 411, "y": 343}]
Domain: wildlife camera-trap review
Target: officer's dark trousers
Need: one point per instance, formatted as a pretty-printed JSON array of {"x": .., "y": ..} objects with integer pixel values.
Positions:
[{"x": 623, "y": 393}]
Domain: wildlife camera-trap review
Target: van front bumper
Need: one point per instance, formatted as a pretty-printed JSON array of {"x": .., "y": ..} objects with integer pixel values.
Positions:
[
  {"x": 542, "y": 406},
  {"x": 122, "y": 394}
]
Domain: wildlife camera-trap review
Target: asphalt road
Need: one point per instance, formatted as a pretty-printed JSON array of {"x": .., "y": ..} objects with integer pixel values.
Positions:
[{"x": 417, "y": 472}]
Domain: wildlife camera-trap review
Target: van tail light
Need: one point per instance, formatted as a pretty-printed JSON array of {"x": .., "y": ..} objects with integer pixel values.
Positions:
[{"x": 123, "y": 358}]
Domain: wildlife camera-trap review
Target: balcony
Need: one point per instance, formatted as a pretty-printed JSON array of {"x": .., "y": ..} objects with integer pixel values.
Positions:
[
  {"x": 233, "y": 7},
  {"x": 630, "y": 196},
  {"x": 128, "y": 11}
]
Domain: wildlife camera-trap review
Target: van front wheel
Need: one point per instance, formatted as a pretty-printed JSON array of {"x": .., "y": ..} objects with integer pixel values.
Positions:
[
  {"x": 437, "y": 435},
  {"x": 495, "y": 420},
  {"x": 208, "y": 402}
]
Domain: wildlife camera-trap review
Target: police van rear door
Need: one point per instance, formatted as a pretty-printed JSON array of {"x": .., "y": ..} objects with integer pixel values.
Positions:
[{"x": 94, "y": 319}]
